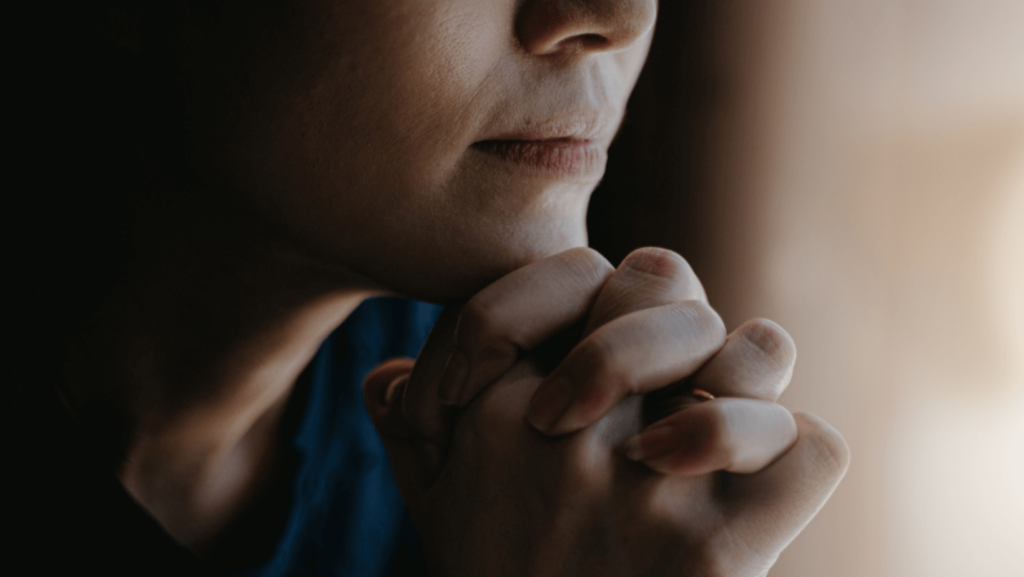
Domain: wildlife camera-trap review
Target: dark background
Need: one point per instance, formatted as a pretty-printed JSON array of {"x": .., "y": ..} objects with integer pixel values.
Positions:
[{"x": 655, "y": 189}]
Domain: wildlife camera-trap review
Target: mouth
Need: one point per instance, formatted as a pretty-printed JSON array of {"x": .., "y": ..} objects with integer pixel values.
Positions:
[{"x": 564, "y": 158}]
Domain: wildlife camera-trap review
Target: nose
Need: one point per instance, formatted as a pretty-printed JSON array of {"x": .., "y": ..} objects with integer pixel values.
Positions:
[{"x": 547, "y": 27}]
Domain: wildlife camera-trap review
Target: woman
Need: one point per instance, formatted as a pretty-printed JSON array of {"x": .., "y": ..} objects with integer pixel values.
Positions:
[{"x": 266, "y": 168}]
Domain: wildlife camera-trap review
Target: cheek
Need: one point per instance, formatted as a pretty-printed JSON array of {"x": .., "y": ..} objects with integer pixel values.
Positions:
[
  {"x": 394, "y": 101},
  {"x": 341, "y": 117}
]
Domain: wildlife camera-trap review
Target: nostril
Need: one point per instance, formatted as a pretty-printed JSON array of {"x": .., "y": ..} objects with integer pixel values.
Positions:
[
  {"x": 592, "y": 41},
  {"x": 550, "y": 27}
]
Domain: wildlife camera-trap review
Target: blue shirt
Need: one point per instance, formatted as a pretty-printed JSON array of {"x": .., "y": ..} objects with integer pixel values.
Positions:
[{"x": 347, "y": 516}]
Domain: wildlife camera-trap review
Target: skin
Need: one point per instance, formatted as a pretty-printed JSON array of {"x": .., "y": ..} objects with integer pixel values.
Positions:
[
  {"x": 724, "y": 484},
  {"x": 370, "y": 109},
  {"x": 321, "y": 153}
]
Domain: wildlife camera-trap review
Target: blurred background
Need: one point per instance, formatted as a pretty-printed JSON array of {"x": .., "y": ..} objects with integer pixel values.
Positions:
[{"x": 854, "y": 169}]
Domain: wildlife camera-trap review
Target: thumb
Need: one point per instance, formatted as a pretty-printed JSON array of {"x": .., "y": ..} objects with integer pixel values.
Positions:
[{"x": 383, "y": 393}]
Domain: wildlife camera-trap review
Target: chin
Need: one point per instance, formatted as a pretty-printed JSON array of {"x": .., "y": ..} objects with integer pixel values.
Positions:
[{"x": 465, "y": 265}]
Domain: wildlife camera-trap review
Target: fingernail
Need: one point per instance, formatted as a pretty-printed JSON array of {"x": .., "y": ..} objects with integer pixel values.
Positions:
[
  {"x": 550, "y": 403},
  {"x": 453, "y": 379},
  {"x": 652, "y": 444}
]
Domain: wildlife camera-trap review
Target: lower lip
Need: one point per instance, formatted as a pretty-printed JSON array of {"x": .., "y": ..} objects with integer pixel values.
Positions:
[{"x": 561, "y": 158}]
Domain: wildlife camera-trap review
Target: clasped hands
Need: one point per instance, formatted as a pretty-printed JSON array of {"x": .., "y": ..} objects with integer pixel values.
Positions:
[{"x": 548, "y": 428}]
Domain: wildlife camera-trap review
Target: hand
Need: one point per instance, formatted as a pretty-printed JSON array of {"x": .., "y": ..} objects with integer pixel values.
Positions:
[
  {"x": 496, "y": 467},
  {"x": 645, "y": 327}
]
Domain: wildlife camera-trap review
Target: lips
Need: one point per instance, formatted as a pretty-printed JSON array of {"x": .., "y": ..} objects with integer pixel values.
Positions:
[{"x": 564, "y": 158}]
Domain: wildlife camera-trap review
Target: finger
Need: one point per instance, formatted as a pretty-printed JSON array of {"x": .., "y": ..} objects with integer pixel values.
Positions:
[
  {"x": 756, "y": 362},
  {"x": 517, "y": 313},
  {"x": 735, "y": 435},
  {"x": 636, "y": 356},
  {"x": 637, "y": 353},
  {"x": 383, "y": 390},
  {"x": 424, "y": 412},
  {"x": 787, "y": 494},
  {"x": 646, "y": 278},
  {"x": 383, "y": 381}
]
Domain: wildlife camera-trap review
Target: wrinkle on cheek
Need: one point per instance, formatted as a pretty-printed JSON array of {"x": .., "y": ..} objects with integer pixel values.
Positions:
[
  {"x": 473, "y": 110},
  {"x": 390, "y": 87},
  {"x": 460, "y": 65},
  {"x": 631, "y": 62},
  {"x": 607, "y": 84}
]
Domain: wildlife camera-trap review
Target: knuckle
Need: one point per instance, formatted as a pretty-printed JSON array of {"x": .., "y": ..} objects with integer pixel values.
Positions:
[
  {"x": 479, "y": 324},
  {"x": 589, "y": 263},
  {"x": 733, "y": 557},
  {"x": 584, "y": 458},
  {"x": 719, "y": 548},
  {"x": 732, "y": 552},
  {"x": 829, "y": 450},
  {"x": 491, "y": 421},
  {"x": 707, "y": 321},
  {"x": 481, "y": 421},
  {"x": 771, "y": 340},
  {"x": 744, "y": 557}
]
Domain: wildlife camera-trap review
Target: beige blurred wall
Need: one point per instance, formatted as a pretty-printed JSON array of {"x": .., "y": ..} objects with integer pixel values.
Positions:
[{"x": 868, "y": 194}]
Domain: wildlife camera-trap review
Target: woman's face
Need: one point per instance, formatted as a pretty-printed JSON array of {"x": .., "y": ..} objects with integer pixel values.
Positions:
[{"x": 428, "y": 145}]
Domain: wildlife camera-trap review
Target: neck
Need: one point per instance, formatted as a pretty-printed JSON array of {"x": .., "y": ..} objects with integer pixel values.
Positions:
[{"x": 193, "y": 356}]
